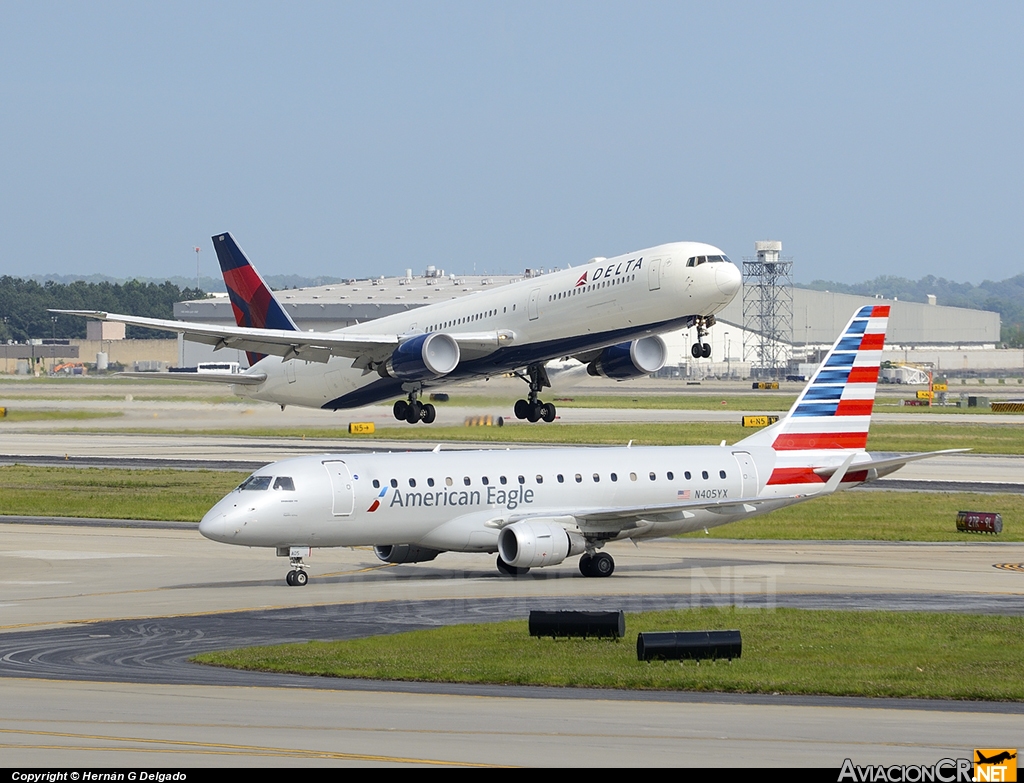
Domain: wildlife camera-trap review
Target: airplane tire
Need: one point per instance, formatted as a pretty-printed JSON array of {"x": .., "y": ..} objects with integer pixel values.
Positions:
[
  {"x": 696, "y": 350},
  {"x": 586, "y": 565},
  {"x": 429, "y": 414},
  {"x": 533, "y": 412},
  {"x": 602, "y": 564},
  {"x": 400, "y": 409},
  {"x": 547, "y": 412},
  {"x": 705, "y": 351},
  {"x": 414, "y": 412},
  {"x": 300, "y": 579},
  {"x": 522, "y": 408},
  {"x": 290, "y": 579},
  {"x": 508, "y": 570}
]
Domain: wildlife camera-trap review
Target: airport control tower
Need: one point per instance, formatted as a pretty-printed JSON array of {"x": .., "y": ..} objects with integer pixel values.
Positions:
[{"x": 767, "y": 309}]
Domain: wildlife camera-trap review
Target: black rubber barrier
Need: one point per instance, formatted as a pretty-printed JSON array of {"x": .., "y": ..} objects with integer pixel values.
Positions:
[
  {"x": 676, "y": 645},
  {"x": 584, "y": 624}
]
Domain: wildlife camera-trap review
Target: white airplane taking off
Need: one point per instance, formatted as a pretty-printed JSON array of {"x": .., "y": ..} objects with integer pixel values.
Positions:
[
  {"x": 537, "y": 507},
  {"x": 607, "y": 313}
]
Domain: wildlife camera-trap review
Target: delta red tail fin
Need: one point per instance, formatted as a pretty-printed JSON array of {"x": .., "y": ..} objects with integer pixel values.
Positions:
[{"x": 252, "y": 301}]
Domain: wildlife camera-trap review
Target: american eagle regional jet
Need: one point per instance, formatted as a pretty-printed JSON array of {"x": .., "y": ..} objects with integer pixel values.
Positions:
[
  {"x": 607, "y": 314},
  {"x": 537, "y": 507}
]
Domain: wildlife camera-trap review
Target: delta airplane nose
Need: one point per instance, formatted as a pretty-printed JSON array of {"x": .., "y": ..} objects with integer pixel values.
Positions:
[{"x": 728, "y": 278}]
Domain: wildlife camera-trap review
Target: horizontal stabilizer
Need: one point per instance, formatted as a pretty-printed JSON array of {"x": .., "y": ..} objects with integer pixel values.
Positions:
[
  {"x": 237, "y": 378},
  {"x": 888, "y": 462}
]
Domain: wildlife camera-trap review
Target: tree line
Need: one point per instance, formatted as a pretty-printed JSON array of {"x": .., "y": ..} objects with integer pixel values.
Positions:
[{"x": 24, "y": 306}]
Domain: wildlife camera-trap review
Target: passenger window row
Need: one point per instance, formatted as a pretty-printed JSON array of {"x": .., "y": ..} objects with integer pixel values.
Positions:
[
  {"x": 592, "y": 287},
  {"x": 459, "y": 321},
  {"x": 539, "y": 479}
]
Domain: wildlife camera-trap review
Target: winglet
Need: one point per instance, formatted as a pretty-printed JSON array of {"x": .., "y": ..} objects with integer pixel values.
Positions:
[{"x": 100, "y": 315}]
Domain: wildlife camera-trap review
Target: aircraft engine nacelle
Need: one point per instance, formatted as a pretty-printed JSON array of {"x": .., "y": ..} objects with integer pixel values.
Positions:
[
  {"x": 405, "y": 553},
  {"x": 423, "y": 357},
  {"x": 630, "y": 360},
  {"x": 536, "y": 544}
]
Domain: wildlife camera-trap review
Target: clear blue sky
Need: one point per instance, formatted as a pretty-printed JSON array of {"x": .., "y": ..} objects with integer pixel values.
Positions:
[{"x": 354, "y": 139}]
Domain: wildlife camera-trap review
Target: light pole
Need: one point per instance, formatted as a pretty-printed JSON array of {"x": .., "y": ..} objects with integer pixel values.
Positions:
[
  {"x": 197, "y": 249},
  {"x": 728, "y": 362}
]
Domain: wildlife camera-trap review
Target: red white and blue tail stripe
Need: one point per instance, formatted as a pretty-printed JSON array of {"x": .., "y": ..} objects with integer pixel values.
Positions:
[
  {"x": 834, "y": 410},
  {"x": 830, "y": 418}
]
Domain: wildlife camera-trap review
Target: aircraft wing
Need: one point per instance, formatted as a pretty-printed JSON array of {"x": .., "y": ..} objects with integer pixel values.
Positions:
[{"x": 310, "y": 346}]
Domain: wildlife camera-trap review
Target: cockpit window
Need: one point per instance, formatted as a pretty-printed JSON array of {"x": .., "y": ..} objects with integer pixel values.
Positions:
[
  {"x": 284, "y": 482},
  {"x": 256, "y": 482},
  {"x": 698, "y": 260}
]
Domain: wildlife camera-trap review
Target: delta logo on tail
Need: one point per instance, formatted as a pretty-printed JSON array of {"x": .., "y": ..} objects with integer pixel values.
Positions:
[{"x": 253, "y": 304}]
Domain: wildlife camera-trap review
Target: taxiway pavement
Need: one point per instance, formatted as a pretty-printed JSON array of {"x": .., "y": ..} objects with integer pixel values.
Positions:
[{"x": 97, "y": 625}]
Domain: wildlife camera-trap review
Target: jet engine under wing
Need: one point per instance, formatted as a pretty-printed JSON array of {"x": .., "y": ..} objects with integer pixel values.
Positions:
[{"x": 309, "y": 346}]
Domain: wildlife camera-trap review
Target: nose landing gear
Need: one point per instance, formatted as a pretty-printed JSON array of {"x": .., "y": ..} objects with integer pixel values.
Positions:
[
  {"x": 701, "y": 349},
  {"x": 297, "y": 577}
]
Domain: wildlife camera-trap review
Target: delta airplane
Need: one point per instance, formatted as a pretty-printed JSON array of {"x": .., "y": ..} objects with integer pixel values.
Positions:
[
  {"x": 607, "y": 314},
  {"x": 537, "y": 507}
]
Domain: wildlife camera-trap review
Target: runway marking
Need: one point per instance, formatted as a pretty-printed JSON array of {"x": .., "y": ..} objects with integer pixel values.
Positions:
[
  {"x": 63, "y": 554},
  {"x": 1018, "y": 567},
  {"x": 232, "y": 749},
  {"x": 217, "y": 748}
]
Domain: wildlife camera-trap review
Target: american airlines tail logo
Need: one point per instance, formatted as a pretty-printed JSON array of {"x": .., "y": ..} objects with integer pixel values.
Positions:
[
  {"x": 376, "y": 503},
  {"x": 581, "y": 281}
]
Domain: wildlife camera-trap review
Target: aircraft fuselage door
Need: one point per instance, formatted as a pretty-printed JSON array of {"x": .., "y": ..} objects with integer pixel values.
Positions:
[
  {"x": 654, "y": 275},
  {"x": 342, "y": 487},
  {"x": 748, "y": 473},
  {"x": 289, "y": 370},
  {"x": 534, "y": 304}
]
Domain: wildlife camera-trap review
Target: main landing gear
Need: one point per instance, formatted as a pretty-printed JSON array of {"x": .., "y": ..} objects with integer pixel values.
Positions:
[
  {"x": 532, "y": 409},
  {"x": 701, "y": 349},
  {"x": 415, "y": 411},
  {"x": 599, "y": 564}
]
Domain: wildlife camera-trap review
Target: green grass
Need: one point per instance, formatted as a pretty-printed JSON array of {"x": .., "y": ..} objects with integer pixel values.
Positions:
[
  {"x": 925, "y": 436},
  {"x": 183, "y": 495},
  {"x": 17, "y": 415},
  {"x": 895, "y": 654},
  {"x": 880, "y": 516},
  {"x": 220, "y": 399}
]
